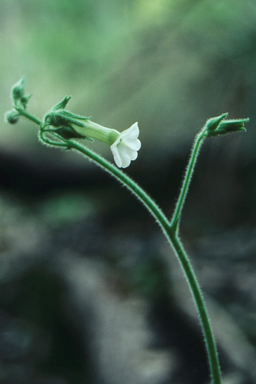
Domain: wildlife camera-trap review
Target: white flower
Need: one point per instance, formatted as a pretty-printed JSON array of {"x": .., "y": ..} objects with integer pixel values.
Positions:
[{"x": 126, "y": 146}]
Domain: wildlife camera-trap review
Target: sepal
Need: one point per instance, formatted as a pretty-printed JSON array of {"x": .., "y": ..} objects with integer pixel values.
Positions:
[
  {"x": 62, "y": 104},
  {"x": 229, "y": 126},
  {"x": 61, "y": 117},
  {"x": 70, "y": 133},
  {"x": 212, "y": 124}
]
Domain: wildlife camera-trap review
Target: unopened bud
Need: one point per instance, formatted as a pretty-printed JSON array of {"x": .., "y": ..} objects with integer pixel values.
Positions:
[
  {"x": 12, "y": 117},
  {"x": 18, "y": 89},
  {"x": 219, "y": 126},
  {"x": 229, "y": 126}
]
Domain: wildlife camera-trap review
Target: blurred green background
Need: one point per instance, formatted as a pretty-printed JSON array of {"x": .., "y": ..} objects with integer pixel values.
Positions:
[{"x": 170, "y": 65}]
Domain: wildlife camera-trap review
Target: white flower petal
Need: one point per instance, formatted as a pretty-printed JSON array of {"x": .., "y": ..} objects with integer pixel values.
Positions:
[
  {"x": 132, "y": 132},
  {"x": 116, "y": 155},
  {"x": 134, "y": 144},
  {"x": 126, "y": 146},
  {"x": 126, "y": 161},
  {"x": 133, "y": 155}
]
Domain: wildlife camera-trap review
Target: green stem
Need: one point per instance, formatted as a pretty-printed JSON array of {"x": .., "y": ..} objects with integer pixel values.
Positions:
[
  {"x": 184, "y": 189},
  {"x": 47, "y": 141},
  {"x": 201, "y": 308},
  {"x": 28, "y": 116}
]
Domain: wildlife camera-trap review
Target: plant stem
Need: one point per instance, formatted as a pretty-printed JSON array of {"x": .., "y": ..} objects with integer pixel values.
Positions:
[
  {"x": 185, "y": 186},
  {"x": 28, "y": 116},
  {"x": 201, "y": 308}
]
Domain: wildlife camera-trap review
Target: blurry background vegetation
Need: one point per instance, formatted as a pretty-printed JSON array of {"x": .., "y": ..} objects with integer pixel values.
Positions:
[{"x": 170, "y": 65}]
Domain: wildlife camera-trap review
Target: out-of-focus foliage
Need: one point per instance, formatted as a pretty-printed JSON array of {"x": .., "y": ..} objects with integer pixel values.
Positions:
[{"x": 168, "y": 64}]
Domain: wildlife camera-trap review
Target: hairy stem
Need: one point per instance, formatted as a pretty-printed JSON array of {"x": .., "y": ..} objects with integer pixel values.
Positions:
[
  {"x": 185, "y": 186},
  {"x": 28, "y": 116},
  {"x": 201, "y": 308}
]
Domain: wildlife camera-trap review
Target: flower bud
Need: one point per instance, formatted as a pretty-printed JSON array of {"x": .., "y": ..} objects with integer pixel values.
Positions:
[
  {"x": 12, "y": 116},
  {"x": 219, "y": 126},
  {"x": 18, "y": 89},
  {"x": 229, "y": 126}
]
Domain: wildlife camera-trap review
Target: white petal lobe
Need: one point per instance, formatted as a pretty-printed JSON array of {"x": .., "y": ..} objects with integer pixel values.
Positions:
[{"x": 126, "y": 146}]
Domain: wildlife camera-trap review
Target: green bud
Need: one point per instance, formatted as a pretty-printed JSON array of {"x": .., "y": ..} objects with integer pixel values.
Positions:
[
  {"x": 18, "y": 89},
  {"x": 219, "y": 126},
  {"x": 12, "y": 116},
  {"x": 213, "y": 123}
]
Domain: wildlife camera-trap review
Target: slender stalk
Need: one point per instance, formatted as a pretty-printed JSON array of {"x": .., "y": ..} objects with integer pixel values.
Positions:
[
  {"x": 27, "y": 115},
  {"x": 201, "y": 308},
  {"x": 184, "y": 189}
]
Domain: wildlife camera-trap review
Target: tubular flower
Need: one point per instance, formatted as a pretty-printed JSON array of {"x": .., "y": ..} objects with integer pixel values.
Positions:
[{"x": 126, "y": 147}]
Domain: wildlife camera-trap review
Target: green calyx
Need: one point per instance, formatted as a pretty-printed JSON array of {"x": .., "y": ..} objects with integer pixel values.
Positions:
[
  {"x": 229, "y": 126},
  {"x": 70, "y": 125},
  {"x": 62, "y": 104},
  {"x": 70, "y": 133},
  {"x": 61, "y": 117},
  {"x": 64, "y": 121}
]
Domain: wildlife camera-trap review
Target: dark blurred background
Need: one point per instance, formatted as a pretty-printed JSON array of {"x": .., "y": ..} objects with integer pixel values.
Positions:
[{"x": 89, "y": 290}]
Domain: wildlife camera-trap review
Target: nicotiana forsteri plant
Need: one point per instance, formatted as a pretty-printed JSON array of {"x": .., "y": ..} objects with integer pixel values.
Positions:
[{"x": 64, "y": 129}]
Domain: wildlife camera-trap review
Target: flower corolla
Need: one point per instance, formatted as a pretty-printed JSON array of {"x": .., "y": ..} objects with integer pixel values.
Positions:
[{"x": 126, "y": 147}]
